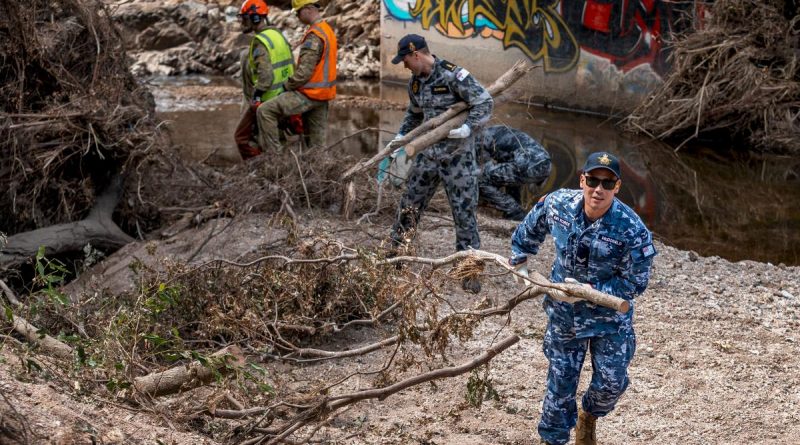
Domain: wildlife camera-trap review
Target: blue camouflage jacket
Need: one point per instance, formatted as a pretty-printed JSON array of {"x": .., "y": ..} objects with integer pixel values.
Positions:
[{"x": 613, "y": 254}]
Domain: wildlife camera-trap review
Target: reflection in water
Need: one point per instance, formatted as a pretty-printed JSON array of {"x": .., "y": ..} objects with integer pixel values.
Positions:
[
  {"x": 734, "y": 209},
  {"x": 203, "y": 129}
]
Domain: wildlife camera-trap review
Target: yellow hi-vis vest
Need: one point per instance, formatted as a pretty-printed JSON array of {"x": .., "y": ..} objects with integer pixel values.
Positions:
[{"x": 280, "y": 56}]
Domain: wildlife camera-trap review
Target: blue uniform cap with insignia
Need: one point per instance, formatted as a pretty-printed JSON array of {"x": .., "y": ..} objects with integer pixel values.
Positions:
[
  {"x": 407, "y": 45},
  {"x": 604, "y": 160}
]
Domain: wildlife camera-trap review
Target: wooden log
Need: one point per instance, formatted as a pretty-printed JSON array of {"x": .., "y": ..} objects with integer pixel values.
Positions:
[
  {"x": 98, "y": 229},
  {"x": 441, "y": 131},
  {"x": 48, "y": 344},
  {"x": 192, "y": 375},
  {"x": 519, "y": 69}
]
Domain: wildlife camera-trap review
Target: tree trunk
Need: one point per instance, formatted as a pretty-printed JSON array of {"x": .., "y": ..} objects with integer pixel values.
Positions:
[{"x": 98, "y": 229}]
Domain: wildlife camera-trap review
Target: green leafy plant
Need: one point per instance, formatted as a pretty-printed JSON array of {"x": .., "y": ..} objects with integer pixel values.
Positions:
[
  {"x": 480, "y": 389},
  {"x": 50, "y": 274},
  {"x": 164, "y": 298}
]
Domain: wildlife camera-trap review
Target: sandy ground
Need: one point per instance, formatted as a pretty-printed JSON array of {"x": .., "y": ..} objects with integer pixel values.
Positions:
[{"x": 717, "y": 363}]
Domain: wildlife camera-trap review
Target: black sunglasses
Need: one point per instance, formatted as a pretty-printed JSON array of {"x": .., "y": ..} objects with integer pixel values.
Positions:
[{"x": 593, "y": 181}]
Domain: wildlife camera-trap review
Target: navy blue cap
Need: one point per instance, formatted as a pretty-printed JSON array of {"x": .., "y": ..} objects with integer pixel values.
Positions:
[
  {"x": 407, "y": 45},
  {"x": 604, "y": 160}
]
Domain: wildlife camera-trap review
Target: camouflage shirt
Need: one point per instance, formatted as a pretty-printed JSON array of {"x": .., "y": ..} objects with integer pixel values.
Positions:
[
  {"x": 310, "y": 55},
  {"x": 446, "y": 85},
  {"x": 613, "y": 254},
  {"x": 502, "y": 144}
]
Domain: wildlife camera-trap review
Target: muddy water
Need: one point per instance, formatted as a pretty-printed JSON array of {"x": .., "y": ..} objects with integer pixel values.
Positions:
[{"x": 695, "y": 200}]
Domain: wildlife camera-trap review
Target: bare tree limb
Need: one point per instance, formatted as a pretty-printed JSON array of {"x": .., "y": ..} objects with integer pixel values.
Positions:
[
  {"x": 331, "y": 404},
  {"x": 34, "y": 336}
]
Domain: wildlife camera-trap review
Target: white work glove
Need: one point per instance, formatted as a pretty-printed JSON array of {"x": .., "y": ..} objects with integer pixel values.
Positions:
[
  {"x": 393, "y": 142},
  {"x": 460, "y": 132},
  {"x": 519, "y": 265},
  {"x": 522, "y": 277}
]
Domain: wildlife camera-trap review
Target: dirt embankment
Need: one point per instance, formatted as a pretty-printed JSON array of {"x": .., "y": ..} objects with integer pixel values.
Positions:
[{"x": 177, "y": 37}]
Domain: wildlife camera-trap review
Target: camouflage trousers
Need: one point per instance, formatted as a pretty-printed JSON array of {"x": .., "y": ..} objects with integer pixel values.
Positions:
[
  {"x": 315, "y": 119},
  {"x": 611, "y": 354},
  {"x": 457, "y": 169},
  {"x": 510, "y": 174}
]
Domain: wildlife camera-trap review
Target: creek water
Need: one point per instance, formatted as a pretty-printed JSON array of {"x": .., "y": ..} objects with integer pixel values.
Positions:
[{"x": 695, "y": 199}]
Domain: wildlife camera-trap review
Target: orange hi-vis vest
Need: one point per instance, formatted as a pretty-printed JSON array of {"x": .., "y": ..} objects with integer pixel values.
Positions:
[{"x": 322, "y": 85}]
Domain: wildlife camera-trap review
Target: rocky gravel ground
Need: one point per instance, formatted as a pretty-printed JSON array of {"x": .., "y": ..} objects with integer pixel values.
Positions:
[{"x": 717, "y": 362}]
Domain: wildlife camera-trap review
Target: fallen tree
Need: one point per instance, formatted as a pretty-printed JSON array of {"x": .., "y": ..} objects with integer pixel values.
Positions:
[
  {"x": 72, "y": 118},
  {"x": 97, "y": 230}
]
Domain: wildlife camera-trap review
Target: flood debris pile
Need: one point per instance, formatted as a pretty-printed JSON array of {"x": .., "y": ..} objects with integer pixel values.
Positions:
[
  {"x": 289, "y": 184},
  {"x": 211, "y": 346},
  {"x": 72, "y": 115},
  {"x": 737, "y": 75}
]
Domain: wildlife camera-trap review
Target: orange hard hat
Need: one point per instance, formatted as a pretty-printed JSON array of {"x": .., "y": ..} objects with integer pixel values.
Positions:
[{"x": 254, "y": 7}]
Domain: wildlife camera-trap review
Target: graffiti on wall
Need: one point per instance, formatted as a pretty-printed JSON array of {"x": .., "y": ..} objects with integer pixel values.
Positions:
[{"x": 628, "y": 33}]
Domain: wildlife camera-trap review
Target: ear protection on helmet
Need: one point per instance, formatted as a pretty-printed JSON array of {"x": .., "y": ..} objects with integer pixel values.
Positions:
[{"x": 254, "y": 10}]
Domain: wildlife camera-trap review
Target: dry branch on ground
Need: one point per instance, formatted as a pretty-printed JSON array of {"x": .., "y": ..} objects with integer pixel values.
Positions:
[{"x": 279, "y": 307}]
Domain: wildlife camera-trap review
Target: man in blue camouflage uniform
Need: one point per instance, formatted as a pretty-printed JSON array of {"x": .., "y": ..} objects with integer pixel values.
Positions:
[
  {"x": 601, "y": 242},
  {"x": 510, "y": 159},
  {"x": 435, "y": 86}
]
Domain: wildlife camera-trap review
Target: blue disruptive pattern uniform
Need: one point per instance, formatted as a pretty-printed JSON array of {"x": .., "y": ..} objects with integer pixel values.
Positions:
[
  {"x": 614, "y": 255},
  {"x": 510, "y": 158},
  {"x": 452, "y": 161}
]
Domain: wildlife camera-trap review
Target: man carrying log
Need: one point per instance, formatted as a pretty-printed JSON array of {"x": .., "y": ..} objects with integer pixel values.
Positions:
[
  {"x": 434, "y": 87},
  {"x": 510, "y": 159},
  {"x": 602, "y": 243}
]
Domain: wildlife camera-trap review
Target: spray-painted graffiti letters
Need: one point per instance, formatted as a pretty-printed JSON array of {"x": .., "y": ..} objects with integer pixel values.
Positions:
[
  {"x": 533, "y": 26},
  {"x": 629, "y": 33}
]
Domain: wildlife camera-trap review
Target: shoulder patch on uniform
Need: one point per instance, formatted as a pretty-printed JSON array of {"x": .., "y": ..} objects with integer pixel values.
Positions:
[
  {"x": 449, "y": 66},
  {"x": 648, "y": 250},
  {"x": 462, "y": 74}
]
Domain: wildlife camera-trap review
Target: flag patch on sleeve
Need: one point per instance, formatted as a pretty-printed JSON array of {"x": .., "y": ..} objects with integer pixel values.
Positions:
[{"x": 648, "y": 250}]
